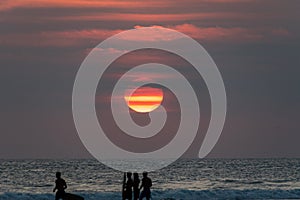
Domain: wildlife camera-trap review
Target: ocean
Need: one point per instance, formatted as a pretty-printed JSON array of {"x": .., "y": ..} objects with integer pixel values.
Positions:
[{"x": 185, "y": 179}]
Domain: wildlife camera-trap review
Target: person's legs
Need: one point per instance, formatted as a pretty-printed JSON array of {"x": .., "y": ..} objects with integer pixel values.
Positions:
[
  {"x": 142, "y": 195},
  {"x": 136, "y": 193},
  {"x": 128, "y": 195},
  {"x": 59, "y": 195},
  {"x": 148, "y": 195}
]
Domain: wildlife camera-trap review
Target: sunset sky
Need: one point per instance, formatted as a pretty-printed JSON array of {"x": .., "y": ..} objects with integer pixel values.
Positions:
[{"x": 254, "y": 43}]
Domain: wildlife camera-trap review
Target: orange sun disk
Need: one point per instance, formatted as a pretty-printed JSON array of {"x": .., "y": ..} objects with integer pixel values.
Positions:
[{"x": 144, "y": 99}]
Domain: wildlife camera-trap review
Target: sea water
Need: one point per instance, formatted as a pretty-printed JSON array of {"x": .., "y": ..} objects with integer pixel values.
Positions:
[{"x": 185, "y": 179}]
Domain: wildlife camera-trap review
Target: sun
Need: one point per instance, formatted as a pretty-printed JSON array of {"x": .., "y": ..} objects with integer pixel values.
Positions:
[{"x": 144, "y": 99}]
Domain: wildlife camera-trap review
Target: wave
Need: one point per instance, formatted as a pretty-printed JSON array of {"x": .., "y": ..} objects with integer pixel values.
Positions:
[
  {"x": 241, "y": 181},
  {"x": 176, "y": 194},
  {"x": 280, "y": 181}
]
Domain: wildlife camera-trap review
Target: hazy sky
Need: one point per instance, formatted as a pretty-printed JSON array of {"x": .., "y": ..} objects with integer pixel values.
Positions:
[{"x": 254, "y": 43}]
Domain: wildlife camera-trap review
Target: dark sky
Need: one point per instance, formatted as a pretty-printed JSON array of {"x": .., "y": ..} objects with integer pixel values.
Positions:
[{"x": 254, "y": 43}]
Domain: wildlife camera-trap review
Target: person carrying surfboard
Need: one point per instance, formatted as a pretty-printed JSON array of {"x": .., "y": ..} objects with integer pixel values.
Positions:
[{"x": 60, "y": 186}]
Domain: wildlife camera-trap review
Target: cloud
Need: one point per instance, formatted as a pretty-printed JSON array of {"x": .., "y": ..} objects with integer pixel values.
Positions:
[
  {"x": 57, "y": 38},
  {"x": 220, "y": 33},
  {"x": 281, "y": 32},
  {"x": 11, "y": 4},
  {"x": 150, "y": 17},
  {"x": 92, "y": 37},
  {"x": 155, "y": 34},
  {"x": 228, "y": 1}
]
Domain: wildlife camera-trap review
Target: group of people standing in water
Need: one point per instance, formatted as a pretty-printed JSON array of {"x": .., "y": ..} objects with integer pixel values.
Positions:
[
  {"x": 133, "y": 185},
  {"x": 129, "y": 185}
]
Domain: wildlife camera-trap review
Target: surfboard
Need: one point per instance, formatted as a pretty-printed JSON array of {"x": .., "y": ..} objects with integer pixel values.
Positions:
[{"x": 69, "y": 196}]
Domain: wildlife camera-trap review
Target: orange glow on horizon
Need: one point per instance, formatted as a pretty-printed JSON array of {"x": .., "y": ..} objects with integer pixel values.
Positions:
[{"x": 144, "y": 99}]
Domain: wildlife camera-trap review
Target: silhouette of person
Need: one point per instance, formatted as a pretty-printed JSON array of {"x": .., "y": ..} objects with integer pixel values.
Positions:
[
  {"x": 146, "y": 185},
  {"x": 136, "y": 189},
  {"x": 60, "y": 186},
  {"x": 128, "y": 186}
]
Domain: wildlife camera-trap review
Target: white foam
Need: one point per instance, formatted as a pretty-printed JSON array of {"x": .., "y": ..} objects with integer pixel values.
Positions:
[{"x": 172, "y": 195}]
